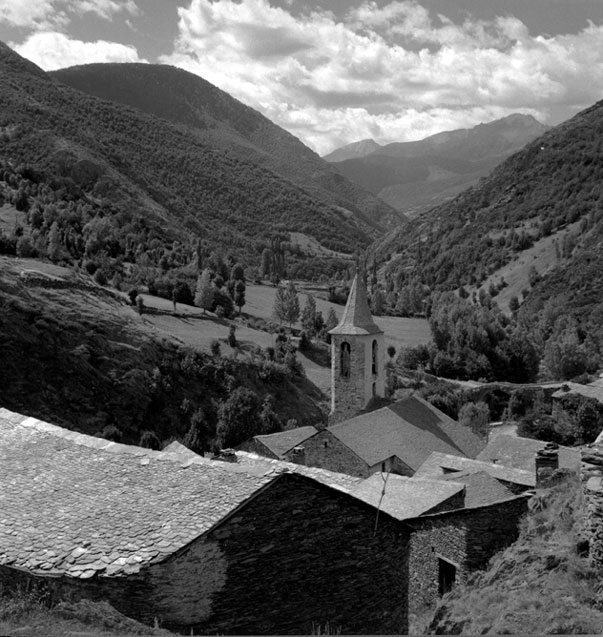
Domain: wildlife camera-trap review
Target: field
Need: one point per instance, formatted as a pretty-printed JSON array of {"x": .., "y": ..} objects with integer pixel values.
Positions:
[{"x": 192, "y": 327}]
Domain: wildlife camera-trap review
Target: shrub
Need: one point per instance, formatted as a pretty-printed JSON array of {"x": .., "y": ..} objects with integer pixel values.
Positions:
[
  {"x": 215, "y": 347},
  {"x": 149, "y": 440},
  {"x": 100, "y": 277}
]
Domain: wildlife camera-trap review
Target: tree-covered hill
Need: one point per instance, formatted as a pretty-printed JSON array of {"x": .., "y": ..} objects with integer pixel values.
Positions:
[
  {"x": 550, "y": 192},
  {"x": 224, "y": 123},
  {"x": 148, "y": 178}
]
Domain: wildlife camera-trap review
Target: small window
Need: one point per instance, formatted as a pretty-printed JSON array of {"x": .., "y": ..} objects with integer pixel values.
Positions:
[
  {"x": 446, "y": 576},
  {"x": 374, "y": 389},
  {"x": 383, "y": 467},
  {"x": 345, "y": 359},
  {"x": 375, "y": 365}
]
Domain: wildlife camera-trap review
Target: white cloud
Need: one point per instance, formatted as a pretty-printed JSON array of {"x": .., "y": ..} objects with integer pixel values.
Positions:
[
  {"x": 51, "y": 51},
  {"x": 392, "y": 73},
  {"x": 37, "y": 15}
]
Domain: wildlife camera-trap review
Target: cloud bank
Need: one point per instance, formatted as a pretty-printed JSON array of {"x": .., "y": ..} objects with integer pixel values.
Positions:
[{"x": 392, "y": 73}]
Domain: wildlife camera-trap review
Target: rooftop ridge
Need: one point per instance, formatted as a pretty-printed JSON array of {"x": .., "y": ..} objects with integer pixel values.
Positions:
[{"x": 357, "y": 317}]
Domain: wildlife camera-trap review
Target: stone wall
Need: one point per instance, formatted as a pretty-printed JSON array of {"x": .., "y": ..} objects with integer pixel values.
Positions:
[
  {"x": 297, "y": 555},
  {"x": 466, "y": 538},
  {"x": 591, "y": 473},
  {"x": 347, "y": 393},
  {"x": 325, "y": 451}
]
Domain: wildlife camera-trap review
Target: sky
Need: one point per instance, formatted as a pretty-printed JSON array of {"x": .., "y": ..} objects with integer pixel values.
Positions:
[{"x": 334, "y": 72}]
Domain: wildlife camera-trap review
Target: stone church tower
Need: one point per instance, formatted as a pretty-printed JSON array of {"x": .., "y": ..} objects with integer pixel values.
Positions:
[{"x": 357, "y": 355}]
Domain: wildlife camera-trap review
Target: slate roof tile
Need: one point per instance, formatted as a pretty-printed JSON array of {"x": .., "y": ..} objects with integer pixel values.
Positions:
[
  {"x": 283, "y": 441},
  {"x": 405, "y": 497},
  {"x": 520, "y": 453},
  {"x": 441, "y": 464},
  {"x": 357, "y": 318},
  {"x": 85, "y": 505},
  {"x": 481, "y": 489},
  {"x": 409, "y": 429}
]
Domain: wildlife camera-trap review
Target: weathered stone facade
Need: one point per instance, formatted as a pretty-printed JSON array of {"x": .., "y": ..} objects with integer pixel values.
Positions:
[
  {"x": 325, "y": 451},
  {"x": 466, "y": 539},
  {"x": 591, "y": 473},
  {"x": 298, "y": 554}
]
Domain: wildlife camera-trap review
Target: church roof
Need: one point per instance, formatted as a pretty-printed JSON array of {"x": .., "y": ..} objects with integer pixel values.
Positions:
[
  {"x": 357, "y": 318},
  {"x": 410, "y": 429}
]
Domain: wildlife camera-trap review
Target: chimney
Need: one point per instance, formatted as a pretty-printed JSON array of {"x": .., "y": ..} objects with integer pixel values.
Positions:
[
  {"x": 546, "y": 463},
  {"x": 226, "y": 455},
  {"x": 298, "y": 455}
]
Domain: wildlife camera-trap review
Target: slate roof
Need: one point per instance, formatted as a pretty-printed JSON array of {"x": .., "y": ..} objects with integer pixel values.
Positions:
[
  {"x": 593, "y": 390},
  {"x": 180, "y": 449},
  {"x": 519, "y": 453},
  {"x": 481, "y": 489},
  {"x": 270, "y": 466},
  {"x": 77, "y": 505},
  {"x": 405, "y": 497},
  {"x": 441, "y": 464},
  {"x": 283, "y": 441},
  {"x": 409, "y": 429},
  {"x": 357, "y": 318}
]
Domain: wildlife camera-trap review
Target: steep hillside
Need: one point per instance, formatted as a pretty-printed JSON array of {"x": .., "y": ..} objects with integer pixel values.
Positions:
[
  {"x": 539, "y": 192},
  {"x": 415, "y": 176},
  {"x": 156, "y": 175},
  {"x": 222, "y": 122},
  {"x": 76, "y": 354},
  {"x": 539, "y": 585}
]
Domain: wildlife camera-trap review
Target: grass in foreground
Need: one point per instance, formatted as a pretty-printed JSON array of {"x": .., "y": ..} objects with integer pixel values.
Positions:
[
  {"x": 24, "y": 613},
  {"x": 539, "y": 585}
]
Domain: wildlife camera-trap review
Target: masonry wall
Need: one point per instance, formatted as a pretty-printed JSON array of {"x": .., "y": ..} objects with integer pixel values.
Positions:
[
  {"x": 347, "y": 393},
  {"x": 325, "y": 451},
  {"x": 467, "y": 538},
  {"x": 298, "y": 555},
  {"x": 591, "y": 474}
]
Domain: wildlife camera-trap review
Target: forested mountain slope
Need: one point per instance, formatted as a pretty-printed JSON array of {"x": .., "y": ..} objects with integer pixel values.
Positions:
[
  {"x": 150, "y": 179},
  {"x": 224, "y": 123},
  {"x": 414, "y": 176},
  {"x": 552, "y": 188}
]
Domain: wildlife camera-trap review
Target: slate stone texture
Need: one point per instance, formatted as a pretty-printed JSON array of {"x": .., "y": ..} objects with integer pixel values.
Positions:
[
  {"x": 467, "y": 538},
  {"x": 216, "y": 548}
]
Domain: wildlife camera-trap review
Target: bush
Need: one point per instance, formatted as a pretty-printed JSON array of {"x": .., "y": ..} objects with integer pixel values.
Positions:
[
  {"x": 149, "y": 440},
  {"x": 215, "y": 348},
  {"x": 100, "y": 277}
]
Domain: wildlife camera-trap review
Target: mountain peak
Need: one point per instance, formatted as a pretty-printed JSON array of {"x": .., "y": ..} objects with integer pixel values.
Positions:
[{"x": 352, "y": 151}]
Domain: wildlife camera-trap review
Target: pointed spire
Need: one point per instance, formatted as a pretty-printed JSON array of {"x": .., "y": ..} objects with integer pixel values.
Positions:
[{"x": 357, "y": 318}]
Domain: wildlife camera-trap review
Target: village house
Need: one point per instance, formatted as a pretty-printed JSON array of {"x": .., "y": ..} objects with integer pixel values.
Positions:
[{"x": 202, "y": 546}]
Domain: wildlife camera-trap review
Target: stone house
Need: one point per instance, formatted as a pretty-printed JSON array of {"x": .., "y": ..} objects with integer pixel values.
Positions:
[
  {"x": 458, "y": 525},
  {"x": 396, "y": 438},
  {"x": 205, "y": 547}
]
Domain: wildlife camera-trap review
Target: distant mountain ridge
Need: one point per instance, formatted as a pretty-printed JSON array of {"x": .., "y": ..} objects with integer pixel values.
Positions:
[
  {"x": 415, "y": 176},
  {"x": 221, "y": 121}
]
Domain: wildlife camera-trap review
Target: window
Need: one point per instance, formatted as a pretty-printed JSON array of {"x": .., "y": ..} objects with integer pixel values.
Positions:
[
  {"x": 375, "y": 358},
  {"x": 446, "y": 576},
  {"x": 345, "y": 359},
  {"x": 374, "y": 389}
]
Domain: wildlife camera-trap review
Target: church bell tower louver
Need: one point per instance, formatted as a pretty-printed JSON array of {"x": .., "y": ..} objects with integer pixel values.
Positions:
[{"x": 357, "y": 355}]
